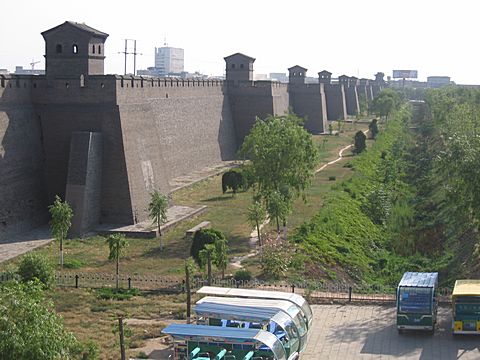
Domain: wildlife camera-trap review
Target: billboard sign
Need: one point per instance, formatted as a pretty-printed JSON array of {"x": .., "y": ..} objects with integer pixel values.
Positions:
[{"x": 405, "y": 74}]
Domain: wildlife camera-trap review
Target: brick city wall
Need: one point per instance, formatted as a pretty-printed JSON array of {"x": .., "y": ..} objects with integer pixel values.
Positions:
[
  {"x": 308, "y": 102},
  {"x": 171, "y": 128},
  {"x": 23, "y": 202},
  {"x": 252, "y": 99},
  {"x": 335, "y": 98}
]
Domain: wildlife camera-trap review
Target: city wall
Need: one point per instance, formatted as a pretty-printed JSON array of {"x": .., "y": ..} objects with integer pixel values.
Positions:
[
  {"x": 23, "y": 202},
  {"x": 308, "y": 101},
  {"x": 170, "y": 128},
  {"x": 252, "y": 99},
  {"x": 152, "y": 130}
]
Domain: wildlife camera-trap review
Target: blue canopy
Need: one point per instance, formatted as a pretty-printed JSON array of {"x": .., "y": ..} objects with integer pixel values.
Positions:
[
  {"x": 204, "y": 333},
  {"x": 419, "y": 279}
]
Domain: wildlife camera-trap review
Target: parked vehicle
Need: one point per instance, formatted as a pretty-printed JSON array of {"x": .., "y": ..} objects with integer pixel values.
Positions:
[
  {"x": 201, "y": 342},
  {"x": 276, "y": 322},
  {"x": 417, "y": 303},
  {"x": 466, "y": 307},
  {"x": 252, "y": 305},
  {"x": 262, "y": 294}
]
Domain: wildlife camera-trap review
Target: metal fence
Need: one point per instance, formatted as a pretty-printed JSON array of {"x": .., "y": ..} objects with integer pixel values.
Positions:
[
  {"x": 99, "y": 280},
  {"x": 313, "y": 291}
]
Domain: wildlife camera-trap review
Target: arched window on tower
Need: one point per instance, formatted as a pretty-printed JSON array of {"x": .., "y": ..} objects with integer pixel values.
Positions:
[
  {"x": 75, "y": 48},
  {"x": 93, "y": 49},
  {"x": 58, "y": 49},
  {"x": 99, "y": 49}
]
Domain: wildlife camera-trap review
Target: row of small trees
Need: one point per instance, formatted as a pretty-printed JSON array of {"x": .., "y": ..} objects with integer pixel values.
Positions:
[{"x": 62, "y": 215}]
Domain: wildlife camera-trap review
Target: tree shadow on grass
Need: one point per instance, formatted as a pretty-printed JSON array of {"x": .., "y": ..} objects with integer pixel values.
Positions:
[
  {"x": 227, "y": 196},
  {"x": 238, "y": 244}
]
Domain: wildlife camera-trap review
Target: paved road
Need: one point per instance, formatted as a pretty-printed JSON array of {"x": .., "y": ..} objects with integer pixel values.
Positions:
[
  {"x": 20, "y": 244},
  {"x": 369, "y": 332}
]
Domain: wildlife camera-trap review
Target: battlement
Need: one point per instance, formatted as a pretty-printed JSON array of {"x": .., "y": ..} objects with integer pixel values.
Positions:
[
  {"x": 17, "y": 88},
  {"x": 257, "y": 84},
  {"x": 167, "y": 82}
]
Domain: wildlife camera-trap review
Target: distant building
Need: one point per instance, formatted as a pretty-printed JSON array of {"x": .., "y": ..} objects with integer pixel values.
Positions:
[
  {"x": 19, "y": 70},
  {"x": 282, "y": 77},
  {"x": 260, "y": 77},
  {"x": 438, "y": 81},
  {"x": 169, "y": 60},
  {"x": 4, "y": 72}
]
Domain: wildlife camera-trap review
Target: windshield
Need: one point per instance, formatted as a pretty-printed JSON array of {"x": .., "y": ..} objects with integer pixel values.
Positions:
[
  {"x": 278, "y": 349},
  {"x": 467, "y": 305},
  {"x": 307, "y": 311},
  {"x": 301, "y": 326},
  {"x": 415, "y": 300},
  {"x": 286, "y": 334}
]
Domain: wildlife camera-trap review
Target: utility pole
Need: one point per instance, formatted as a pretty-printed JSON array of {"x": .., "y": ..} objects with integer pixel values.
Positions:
[
  {"x": 125, "y": 62},
  {"x": 134, "y": 53},
  {"x": 135, "y": 56},
  {"x": 125, "y": 53},
  {"x": 122, "y": 340}
]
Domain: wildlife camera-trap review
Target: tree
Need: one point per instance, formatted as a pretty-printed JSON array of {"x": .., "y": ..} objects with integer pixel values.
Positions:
[
  {"x": 61, "y": 222},
  {"x": 30, "y": 327},
  {"x": 209, "y": 247},
  {"x": 359, "y": 142},
  {"x": 35, "y": 266},
  {"x": 189, "y": 271},
  {"x": 220, "y": 255},
  {"x": 157, "y": 211},
  {"x": 206, "y": 255},
  {"x": 387, "y": 101},
  {"x": 278, "y": 206},
  {"x": 282, "y": 155},
  {"x": 117, "y": 245},
  {"x": 201, "y": 238},
  {"x": 373, "y": 127},
  {"x": 256, "y": 215}
]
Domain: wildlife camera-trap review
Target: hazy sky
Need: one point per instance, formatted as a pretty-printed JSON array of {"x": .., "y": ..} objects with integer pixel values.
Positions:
[{"x": 353, "y": 37}]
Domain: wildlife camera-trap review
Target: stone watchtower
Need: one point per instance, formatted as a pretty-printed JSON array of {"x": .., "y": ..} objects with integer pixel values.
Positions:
[
  {"x": 379, "y": 78},
  {"x": 296, "y": 75},
  {"x": 324, "y": 77},
  {"x": 239, "y": 67},
  {"x": 74, "y": 49},
  {"x": 344, "y": 80}
]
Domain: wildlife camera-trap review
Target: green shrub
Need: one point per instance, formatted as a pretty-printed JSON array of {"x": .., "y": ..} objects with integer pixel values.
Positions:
[
  {"x": 180, "y": 314},
  {"x": 332, "y": 178},
  {"x": 142, "y": 355},
  {"x": 242, "y": 275},
  {"x": 88, "y": 350},
  {"x": 73, "y": 264},
  {"x": 35, "y": 266},
  {"x": 116, "y": 294},
  {"x": 201, "y": 238}
]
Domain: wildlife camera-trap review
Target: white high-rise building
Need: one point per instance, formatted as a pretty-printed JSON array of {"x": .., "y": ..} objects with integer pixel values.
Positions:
[{"x": 169, "y": 60}]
